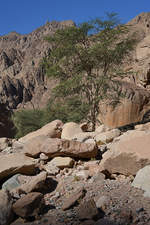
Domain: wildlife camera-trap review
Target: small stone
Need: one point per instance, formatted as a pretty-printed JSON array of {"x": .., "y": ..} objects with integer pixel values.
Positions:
[
  {"x": 51, "y": 169},
  {"x": 102, "y": 202},
  {"x": 88, "y": 210},
  {"x": 43, "y": 156},
  {"x": 62, "y": 162},
  {"x": 73, "y": 198},
  {"x": 83, "y": 174}
]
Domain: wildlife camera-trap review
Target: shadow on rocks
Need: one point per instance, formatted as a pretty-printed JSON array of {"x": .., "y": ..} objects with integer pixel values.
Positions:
[{"x": 49, "y": 186}]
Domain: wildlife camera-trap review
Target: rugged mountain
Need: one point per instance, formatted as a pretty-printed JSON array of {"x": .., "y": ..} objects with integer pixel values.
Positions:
[
  {"x": 21, "y": 79},
  {"x": 23, "y": 84}
]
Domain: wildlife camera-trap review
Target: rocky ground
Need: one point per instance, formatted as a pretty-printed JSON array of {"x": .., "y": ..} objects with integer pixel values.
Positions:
[
  {"x": 63, "y": 174},
  {"x": 113, "y": 200}
]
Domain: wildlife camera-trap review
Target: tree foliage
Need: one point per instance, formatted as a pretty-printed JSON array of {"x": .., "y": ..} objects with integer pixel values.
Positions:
[
  {"x": 26, "y": 121},
  {"x": 86, "y": 59}
]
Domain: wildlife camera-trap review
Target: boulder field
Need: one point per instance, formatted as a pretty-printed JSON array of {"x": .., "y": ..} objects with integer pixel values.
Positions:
[{"x": 62, "y": 174}]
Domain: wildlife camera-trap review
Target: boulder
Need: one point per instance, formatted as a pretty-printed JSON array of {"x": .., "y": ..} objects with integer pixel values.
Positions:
[
  {"x": 35, "y": 184},
  {"x": 53, "y": 147},
  {"x": 142, "y": 180},
  {"x": 130, "y": 109},
  {"x": 52, "y": 130},
  {"x": 33, "y": 147},
  {"x": 73, "y": 198},
  {"x": 11, "y": 183},
  {"x": 30, "y": 205},
  {"x": 107, "y": 136},
  {"x": 69, "y": 130},
  {"x": 128, "y": 154},
  {"x": 51, "y": 169},
  {"x": 62, "y": 162},
  {"x": 16, "y": 163},
  {"x": 6, "y": 214},
  {"x": 88, "y": 210}
]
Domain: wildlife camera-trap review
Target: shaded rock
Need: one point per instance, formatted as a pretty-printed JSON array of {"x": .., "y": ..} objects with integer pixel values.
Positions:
[
  {"x": 84, "y": 126},
  {"x": 62, "y": 162},
  {"x": 73, "y": 198},
  {"x": 6, "y": 213},
  {"x": 35, "y": 184},
  {"x": 88, "y": 222},
  {"x": 69, "y": 130},
  {"x": 142, "y": 180},
  {"x": 107, "y": 137},
  {"x": 53, "y": 147},
  {"x": 16, "y": 163},
  {"x": 11, "y": 183},
  {"x": 6, "y": 124},
  {"x": 128, "y": 154},
  {"x": 30, "y": 205},
  {"x": 52, "y": 130},
  {"x": 105, "y": 222},
  {"x": 88, "y": 210}
]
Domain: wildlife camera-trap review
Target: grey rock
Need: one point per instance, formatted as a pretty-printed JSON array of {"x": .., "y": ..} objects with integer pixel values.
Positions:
[
  {"x": 142, "y": 180},
  {"x": 11, "y": 183},
  {"x": 6, "y": 214}
]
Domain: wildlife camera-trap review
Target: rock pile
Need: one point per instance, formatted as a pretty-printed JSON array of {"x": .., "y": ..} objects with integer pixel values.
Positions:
[{"x": 67, "y": 180}]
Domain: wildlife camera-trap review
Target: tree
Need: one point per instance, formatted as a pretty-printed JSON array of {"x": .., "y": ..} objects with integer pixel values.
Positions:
[
  {"x": 26, "y": 121},
  {"x": 86, "y": 59}
]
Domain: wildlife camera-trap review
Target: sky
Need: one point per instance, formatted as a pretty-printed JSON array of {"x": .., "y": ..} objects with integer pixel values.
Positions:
[{"x": 24, "y": 16}]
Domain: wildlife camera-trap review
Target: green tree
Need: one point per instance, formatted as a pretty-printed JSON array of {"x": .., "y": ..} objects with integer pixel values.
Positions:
[
  {"x": 26, "y": 121},
  {"x": 86, "y": 59}
]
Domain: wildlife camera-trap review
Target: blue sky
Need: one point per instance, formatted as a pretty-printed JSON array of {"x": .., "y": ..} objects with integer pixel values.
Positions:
[{"x": 24, "y": 16}]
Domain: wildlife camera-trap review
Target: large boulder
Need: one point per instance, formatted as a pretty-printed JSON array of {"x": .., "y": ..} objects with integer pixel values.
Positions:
[
  {"x": 37, "y": 183},
  {"x": 128, "y": 154},
  {"x": 5, "y": 208},
  {"x": 53, "y": 147},
  {"x": 52, "y": 130},
  {"x": 70, "y": 130},
  {"x": 16, "y": 163},
  {"x": 130, "y": 109},
  {"x": 29, "y": 205},
  {"x": 142, "y": 180}
]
